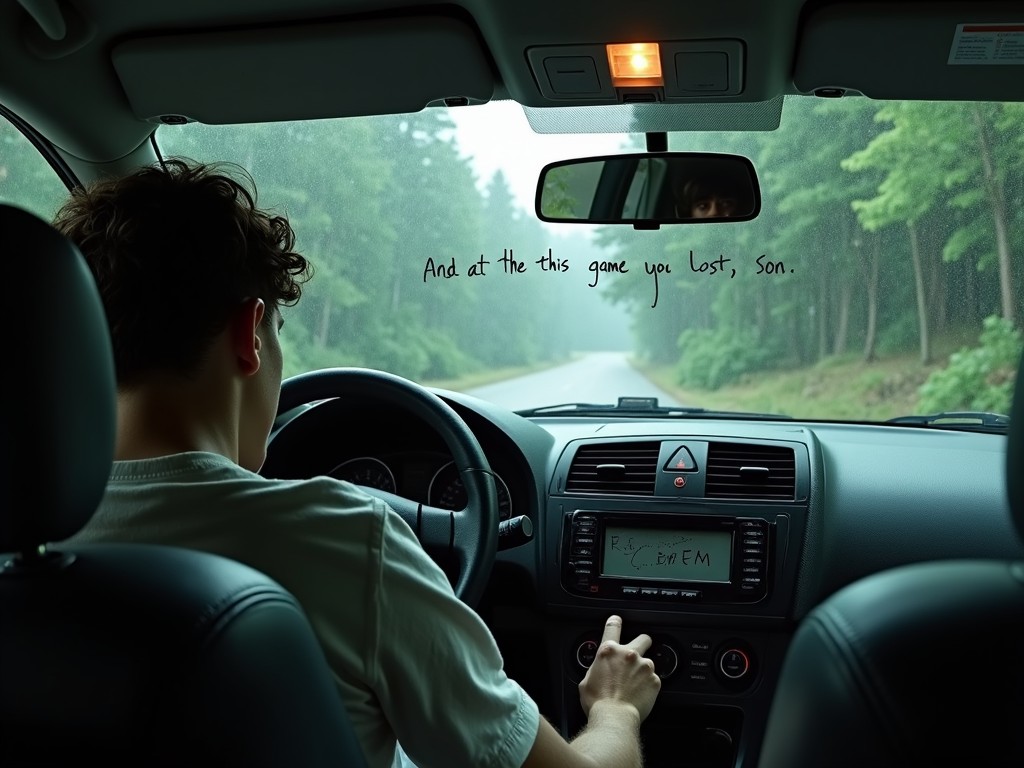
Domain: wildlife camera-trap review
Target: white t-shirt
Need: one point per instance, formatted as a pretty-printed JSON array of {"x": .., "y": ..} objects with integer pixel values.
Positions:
[{"x": 412, "y": 662}]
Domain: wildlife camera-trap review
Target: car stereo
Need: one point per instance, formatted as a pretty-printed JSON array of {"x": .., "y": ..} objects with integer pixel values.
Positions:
[{"x": 666, "y": 557}]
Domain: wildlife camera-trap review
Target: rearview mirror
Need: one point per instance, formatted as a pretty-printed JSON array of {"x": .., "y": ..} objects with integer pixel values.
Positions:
[{"x": 649, "y": 189}]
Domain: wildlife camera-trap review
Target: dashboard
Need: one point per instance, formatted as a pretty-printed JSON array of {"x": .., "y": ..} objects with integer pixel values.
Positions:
[
  {"x": 405, "y": 473},
  {"x": 714, "y": 536}
]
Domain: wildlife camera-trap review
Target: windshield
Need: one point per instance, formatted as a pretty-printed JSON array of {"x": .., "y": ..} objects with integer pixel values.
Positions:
[{"x": 882, "y": 278}]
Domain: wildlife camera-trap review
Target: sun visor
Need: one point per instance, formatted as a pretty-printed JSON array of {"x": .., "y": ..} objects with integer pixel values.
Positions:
[
  {"x": 897, "y": 50},
  {"x": 309, "y": 71}
]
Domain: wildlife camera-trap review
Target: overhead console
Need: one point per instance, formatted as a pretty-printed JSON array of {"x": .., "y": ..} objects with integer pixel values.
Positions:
[
  {"x": 682, "y": 525},
  {"x": 956, "y": 49}
]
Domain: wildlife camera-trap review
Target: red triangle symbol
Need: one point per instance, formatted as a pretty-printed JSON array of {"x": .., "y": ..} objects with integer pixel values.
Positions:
[{"x": 681, "y": 464}]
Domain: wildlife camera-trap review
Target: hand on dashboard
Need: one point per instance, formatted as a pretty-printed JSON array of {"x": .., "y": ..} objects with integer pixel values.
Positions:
[{"x": 620, "y": 673}]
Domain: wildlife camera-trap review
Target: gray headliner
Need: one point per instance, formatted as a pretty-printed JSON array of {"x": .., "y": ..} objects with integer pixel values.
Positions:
[{"x": 71, "y": 91}]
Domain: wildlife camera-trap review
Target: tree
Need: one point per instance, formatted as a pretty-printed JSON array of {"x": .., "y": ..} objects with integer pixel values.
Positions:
[{"x": 909, "y": 191}]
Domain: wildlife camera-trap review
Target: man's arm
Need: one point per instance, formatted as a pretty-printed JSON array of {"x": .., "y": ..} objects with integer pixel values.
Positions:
[{"x": 617, "y": 694}]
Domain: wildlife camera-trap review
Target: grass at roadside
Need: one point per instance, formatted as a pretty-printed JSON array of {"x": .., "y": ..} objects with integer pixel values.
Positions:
[{"x": 836, "y": 388}]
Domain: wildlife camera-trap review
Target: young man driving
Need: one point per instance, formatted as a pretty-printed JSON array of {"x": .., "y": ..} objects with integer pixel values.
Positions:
[{"x": 193, "y": 275}]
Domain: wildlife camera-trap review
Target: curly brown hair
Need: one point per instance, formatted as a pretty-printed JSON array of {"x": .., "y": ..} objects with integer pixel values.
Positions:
[{"x": 175, "y": 248}]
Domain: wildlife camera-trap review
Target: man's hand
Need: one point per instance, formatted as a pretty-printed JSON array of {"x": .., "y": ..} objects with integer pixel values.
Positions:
[
  {"x": 617, "y": 693},
  {"x": 620, "y": 673}
]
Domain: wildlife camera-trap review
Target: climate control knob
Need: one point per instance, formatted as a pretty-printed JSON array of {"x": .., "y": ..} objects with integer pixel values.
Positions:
[
  {"x": 734, "y": 663},
  {"x": 586, "y": 653},
  {"x": 666, "y": 660}
]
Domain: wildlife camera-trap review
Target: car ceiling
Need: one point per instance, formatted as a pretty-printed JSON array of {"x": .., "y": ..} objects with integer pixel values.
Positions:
[{"x": 96, "y": 76}]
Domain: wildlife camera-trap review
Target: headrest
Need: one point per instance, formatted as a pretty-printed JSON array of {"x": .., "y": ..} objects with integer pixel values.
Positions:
[
  {"x": 61, "y": 415},
  {"x": 1015, "y": 453}
]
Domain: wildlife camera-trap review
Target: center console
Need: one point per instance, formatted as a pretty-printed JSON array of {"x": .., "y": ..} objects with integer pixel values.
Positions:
[
  {"x": 702, "y": 557},
  {"x": 667, "y": 557}
]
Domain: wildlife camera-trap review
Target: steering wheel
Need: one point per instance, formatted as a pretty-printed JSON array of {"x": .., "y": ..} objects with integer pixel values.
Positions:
[{"x": 471, "y": 533}]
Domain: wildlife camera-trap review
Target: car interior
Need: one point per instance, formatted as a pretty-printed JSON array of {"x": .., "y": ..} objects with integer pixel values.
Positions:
[{"x": 820, "y": 591}]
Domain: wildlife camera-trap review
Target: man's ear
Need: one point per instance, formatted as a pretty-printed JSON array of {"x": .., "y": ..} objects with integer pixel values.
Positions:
[{"x": 245, "y": 335}]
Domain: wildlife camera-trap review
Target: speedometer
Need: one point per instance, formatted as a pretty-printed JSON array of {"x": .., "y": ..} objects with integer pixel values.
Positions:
[
  {"x": 368, "y": 471},
  {"x": 447, "y": 491}
]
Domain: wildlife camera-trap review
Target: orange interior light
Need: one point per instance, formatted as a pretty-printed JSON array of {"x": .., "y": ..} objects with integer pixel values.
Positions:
[{"x": 634, "y": 64}]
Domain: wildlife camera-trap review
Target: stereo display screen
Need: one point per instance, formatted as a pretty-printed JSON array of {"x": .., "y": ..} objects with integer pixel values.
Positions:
[{"x": 666, "y": 554}]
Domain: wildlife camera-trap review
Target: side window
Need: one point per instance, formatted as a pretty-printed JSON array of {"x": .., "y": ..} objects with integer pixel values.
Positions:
[{"x": 26, "y": 178}]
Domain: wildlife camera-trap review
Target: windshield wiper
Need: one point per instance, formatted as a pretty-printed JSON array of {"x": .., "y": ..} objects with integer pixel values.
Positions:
[
  {"x": 640, "y": 406},
  {"x": 980, "y": 421}
]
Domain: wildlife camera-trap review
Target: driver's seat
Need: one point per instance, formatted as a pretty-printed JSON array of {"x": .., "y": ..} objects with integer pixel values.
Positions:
[{"x": 125, "y": 653}]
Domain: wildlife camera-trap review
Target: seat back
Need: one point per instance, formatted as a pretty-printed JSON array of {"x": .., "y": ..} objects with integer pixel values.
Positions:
[
  {"x": 127, "y": 654},
  {"x": 915, "y": 666}
]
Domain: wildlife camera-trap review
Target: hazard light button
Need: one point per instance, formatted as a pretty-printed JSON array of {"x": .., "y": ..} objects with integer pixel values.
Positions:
[{"x": 681, "y": 461}]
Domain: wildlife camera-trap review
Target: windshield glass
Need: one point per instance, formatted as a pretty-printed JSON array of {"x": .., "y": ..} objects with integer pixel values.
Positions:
[{"x": 883, "y": 276}]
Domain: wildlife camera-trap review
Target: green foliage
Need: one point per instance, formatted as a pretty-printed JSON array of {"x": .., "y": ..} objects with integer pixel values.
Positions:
[
  {"x": 559, "y": 203},
  {"x": 26, "y": 179},
  {"x": 972, "y": 239},
  {"x": 446, "y": 360},
  {"x": 900, "y": 335},
  {"x": 979, "y": 378},
  {"x": 711, "y": 359}
]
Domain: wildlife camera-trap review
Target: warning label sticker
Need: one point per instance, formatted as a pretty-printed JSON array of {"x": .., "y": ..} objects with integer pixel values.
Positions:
[{"x": 988, "y": 44}]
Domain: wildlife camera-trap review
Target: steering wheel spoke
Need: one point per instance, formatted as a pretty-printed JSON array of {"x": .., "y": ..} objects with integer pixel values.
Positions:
[{"x": 470, "y": 534}]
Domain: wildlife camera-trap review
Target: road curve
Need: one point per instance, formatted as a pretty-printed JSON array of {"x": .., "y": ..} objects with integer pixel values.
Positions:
[{"x": 597, "y": 377}]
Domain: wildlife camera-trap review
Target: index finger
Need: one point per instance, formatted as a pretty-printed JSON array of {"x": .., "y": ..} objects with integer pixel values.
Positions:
[{"x": 612, "y": 629}]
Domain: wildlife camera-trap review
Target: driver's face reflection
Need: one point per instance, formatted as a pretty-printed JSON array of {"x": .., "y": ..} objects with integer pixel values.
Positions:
[{"x": 713, "y": 207}]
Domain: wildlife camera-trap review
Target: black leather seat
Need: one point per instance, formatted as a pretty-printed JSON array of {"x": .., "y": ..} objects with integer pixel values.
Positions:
[
  {"x": 921, "y": 665},
  {"x": 126, "y": 654}
]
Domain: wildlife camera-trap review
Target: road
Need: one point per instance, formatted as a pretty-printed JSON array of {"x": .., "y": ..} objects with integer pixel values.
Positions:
[{"x": 598, "y": 377}]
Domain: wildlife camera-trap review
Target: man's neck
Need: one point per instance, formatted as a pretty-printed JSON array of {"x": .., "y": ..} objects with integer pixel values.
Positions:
[{"x": 165, "y": 417}]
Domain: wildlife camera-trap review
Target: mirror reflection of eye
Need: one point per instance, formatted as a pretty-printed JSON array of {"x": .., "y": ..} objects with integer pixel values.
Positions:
[{"x": 625, "y": 190}]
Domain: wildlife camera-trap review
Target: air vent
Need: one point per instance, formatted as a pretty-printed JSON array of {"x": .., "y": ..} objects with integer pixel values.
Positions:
[
  {"x": 614, "y": 468},
  {"x": 750, "y": 471}
]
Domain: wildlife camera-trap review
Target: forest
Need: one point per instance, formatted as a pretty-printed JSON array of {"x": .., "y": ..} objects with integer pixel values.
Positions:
[
  {"x": 898, "y": 222},
  {"x": 884, "y": 227}
]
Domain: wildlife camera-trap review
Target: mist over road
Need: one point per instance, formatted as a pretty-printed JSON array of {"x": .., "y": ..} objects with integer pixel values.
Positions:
[{"x": 597, "y": 377}]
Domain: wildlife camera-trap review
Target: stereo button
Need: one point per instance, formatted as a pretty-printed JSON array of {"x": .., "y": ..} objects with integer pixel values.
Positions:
[
  {"x": 648, "y": 592},
  {"x": 697, "y": 678},
  {"x": 630, "y": 591}
]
